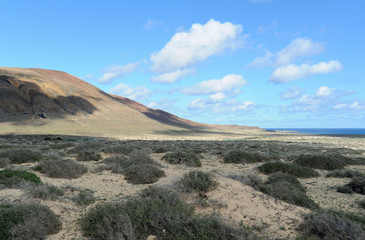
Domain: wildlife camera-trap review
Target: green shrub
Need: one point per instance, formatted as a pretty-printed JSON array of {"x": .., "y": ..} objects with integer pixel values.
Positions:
[
  {"x": 158, "y": 212},
  {"x": 358, "y": 184},
  {"x": 197, "y": 181},
  {"x": 143, "y": 174},
  {"x": 362, "y": 203},
  {"x": 324, "y": 162},
  {"x": 125, "y": 149},
  {"x": 60, "y": 146},
  {"x": 4, "y": 162},
  {"x": 88, "y": 156},
  {"x": 46, "y": 192},
  {"x": 12, "y": 178},
  {"x": 86, "y": 146},
  {"x": 38, "y": 222},
  {"x": 188, "y": 158},
  {"x": 328, "y": 226},
  {"x": 237, "y": 156},
  {"x": 161, "y": 150},
  {"x": 344, "y": 173},
  {"x": 9, "y": 216},
  {"x": 287, "y": 188},
  {"x": 61, "y": 168},
  {"x": 345, "y": 189},
  {"x": 84, "y": 198},
  {"x": 18, "y": 156},
  {"x": 290, "y": 168}
]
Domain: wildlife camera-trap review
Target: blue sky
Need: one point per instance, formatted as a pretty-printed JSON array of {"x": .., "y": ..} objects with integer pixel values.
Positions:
[{"x": 248, "y": 62}]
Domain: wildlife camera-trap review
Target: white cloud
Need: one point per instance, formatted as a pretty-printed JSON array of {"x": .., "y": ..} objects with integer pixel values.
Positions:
[
  {"x": 227, "y": 83},
  {"x": 292, "y": 72},
  {"x": 171, "y": 77},
  {"x": 357, "y": 106},
  {"x": 129, "y": 92},
  {"x": 340, "y": 106},
  {"x": 299, "y": 47},
  {"x": 212, "y": 105},
  {"x": 262, "y": 29},
  {"x": 151, "y": 24},
  {"x": 114, "y": 72},
  {"x": 190, "y": 47},
  {"x": 245, "y": 105},
  {"x": 324, "y": 91},
  {"x": 291, "y": 93},
  {"x": 218, "y": 97}
]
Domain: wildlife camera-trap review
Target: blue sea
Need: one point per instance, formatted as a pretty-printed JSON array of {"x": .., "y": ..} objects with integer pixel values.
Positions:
[{"x": 322, "y": 130}]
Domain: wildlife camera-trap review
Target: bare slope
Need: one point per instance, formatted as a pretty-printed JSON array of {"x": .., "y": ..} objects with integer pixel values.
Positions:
[{"x": 47, "y": 101}]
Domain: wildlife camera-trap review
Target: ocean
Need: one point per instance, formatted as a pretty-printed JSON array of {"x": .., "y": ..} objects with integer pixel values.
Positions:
[{"x": 322, "y": 130}]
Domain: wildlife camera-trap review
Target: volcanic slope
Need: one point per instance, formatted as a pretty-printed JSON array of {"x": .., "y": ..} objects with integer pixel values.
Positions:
[{"x": 40, "y": 101}]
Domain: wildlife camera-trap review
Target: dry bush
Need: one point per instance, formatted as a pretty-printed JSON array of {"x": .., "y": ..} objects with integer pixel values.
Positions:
[
  {"x": 290, "y": 168},
  {"x": 13, "y": 178},
  {"x": 197, "y": 181},
  {"x": 18, "y": 156},
  {"x": 143, "y": 174},
  {"x": 189, "y": 158},
  {"x": 61, "y": 168},
  {"x": 324, "y": 162},
  {"x": 237, "y": 156}
]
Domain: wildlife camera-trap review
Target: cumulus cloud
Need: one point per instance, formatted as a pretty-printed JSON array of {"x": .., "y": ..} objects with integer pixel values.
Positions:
[
  {"x": 298, "y": 48},
  {"x": 171, "y": 77},
  {"x": 291, "y": 93},
  {"x": 211, "y": 104},
  {"x": 293, "y": 72},
  {"x": 114, "y": 72},
  {"x": 218, "y": 97},
  {"x": 324, "y": 91},
  {"x": 130, "y": 92},
  {"x": 227, "y": 83},
  {"x": 200, "y": 42}
]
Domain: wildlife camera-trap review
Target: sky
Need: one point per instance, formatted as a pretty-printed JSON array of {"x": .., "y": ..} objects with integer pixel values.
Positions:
[{"x": 265, "y": 63}]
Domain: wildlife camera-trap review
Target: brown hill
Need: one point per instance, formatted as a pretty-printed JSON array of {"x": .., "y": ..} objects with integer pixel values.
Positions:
[{"x": 45, "y": 101}]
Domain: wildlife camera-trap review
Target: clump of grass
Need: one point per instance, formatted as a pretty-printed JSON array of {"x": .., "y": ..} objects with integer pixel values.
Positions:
[
  {"x": 329, "y": 226},
  {"x": 18, "y": 156},
  {"x": 287, "y": 188},
  {"x": 143, "y": 174},
  {"x": 237, "y": 156},
  {"x": 344, "y": 173},
  {"x": 290, "y": 168},
  {"x": 324, "y": 162},
  {"x": 198, "y": 181},
  {"x": 61, "y": 168},
  {"x": 88, "y": 155},
  {"x": 188, "y": 158},
  {"x": 45, "y": 192},
  {"x": 84, "y": 198},
  {"x": 12, "y": 178},
  {"x": 37, "y": 221},
  {"x": 158, "y": 212}
]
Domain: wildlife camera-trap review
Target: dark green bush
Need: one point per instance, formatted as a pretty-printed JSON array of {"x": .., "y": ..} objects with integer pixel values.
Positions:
[
  {"x": 143, "y": 174},
  {"x": 61, "y": 168},
  {"x": 18, "y": 156},
  {"x": 362, "y": 203},
  {"x": 324, "y": 162},
  {"x": 9, "y": 216},
  {"x": 88, "y": 156},
  {"x": 358, "y": 184},
  {"x": 156, "y": 212},
  {"x": 12, "y": 178},
  {"x": 161, "y": 150},
  {"x": 290, "y": 168},
  {"x": 287, "y": 188},
  {"x": 188, "y": 158},
  {"x": 345, "y": 189},
  {"x": 344, "y": 173},
  {"x": 331, "y": 227},
  {"x": 197, "y": 181},
  {"x": 237, "y": 156}
]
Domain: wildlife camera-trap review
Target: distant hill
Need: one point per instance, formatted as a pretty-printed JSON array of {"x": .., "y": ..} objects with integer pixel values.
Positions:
[{"x": 46, "y": 101}]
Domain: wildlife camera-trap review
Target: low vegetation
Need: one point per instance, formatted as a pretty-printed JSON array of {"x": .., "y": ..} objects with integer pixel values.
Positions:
[
  {"x": 189, "y": 158},
  {"x": 143, "y": 174},
  {"x": 84, "y": 198},
  {"x": 344, "y": 173},
  {"x": 18, "y": 156},
  {"x": 237, "y": 156},
  {"x": 357, "y": 185},
  {"x": 12, "y": 178},
  {"x": 61, "y": 168},
  {"x": 27, "y": 221},
  {"x": 198, "y": 181},
  {"x": 45, "y": 192},
  {"x": 157, "y": 212},
  {"x": 88, "y": 155},
  {"x": 323, "y": 162},
  {"x": 289, "y": 168}
]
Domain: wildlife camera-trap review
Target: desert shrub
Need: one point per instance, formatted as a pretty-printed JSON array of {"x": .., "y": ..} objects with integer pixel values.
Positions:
[
  {"x": 119, "y": 163},
  {"x": 45, "y": 192},
  {"x": 362, "y": 203},
  {"x": 161, "y": 150},
  {"x": 155, "y": 211},
  {"x": 188, "y": 158},
  {"x": 115, "y": 164},
  {"x": 4, "y": 162},
  {"x": 358, "y": 184},
  {"x": 250, "y": 180},
  {"x": 345, "y": 189},
  {"x": 290, "y": 168},
  {"x": 9, "y": 216},
  {"x": 358, "y": 218},
  {"x": 344, "y": 173},
  {"x": 61, "y": 168},
  {"x": 88, "y": 155},
  {"x": 237, "y": 156},
  {"x": 198, "y": 181},
  {"x": 143, "y": 174},
  {"x": 18, "y": 156},
  {"x": 324, "y": 162},
  {"x": 287, "y": 188},
  {"x": 86, "y": 146},
  {"x": 84, "y": 198},
  {"x": 60, "y": 146},
  {"x": 125, "y": 149},
  {"x": 331, "y": 227},
  {"x": 38, "y": 221},
  {"x": 11, "y": 178}
]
